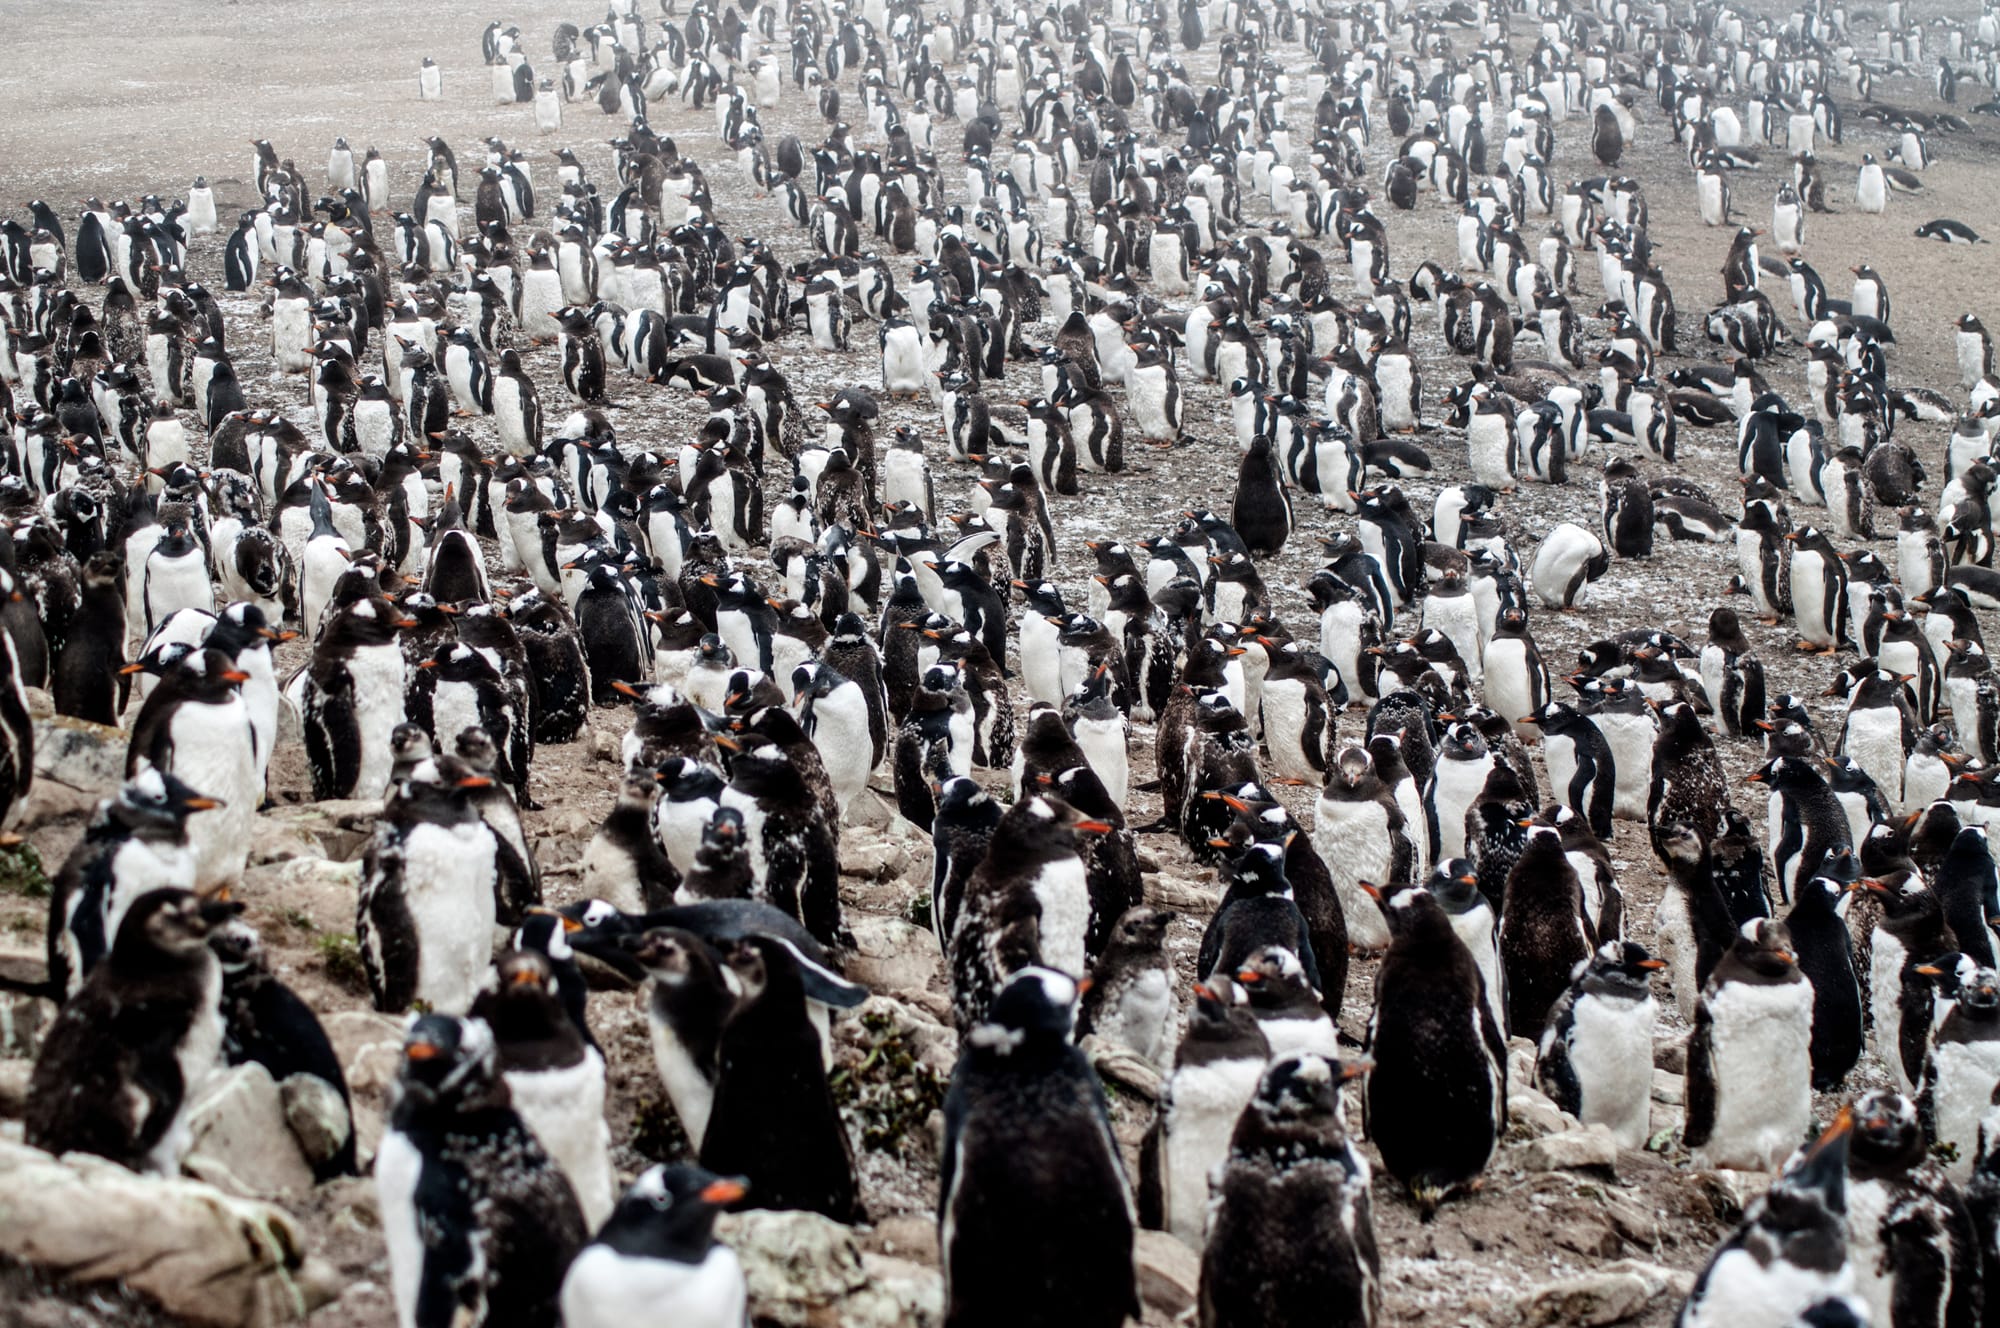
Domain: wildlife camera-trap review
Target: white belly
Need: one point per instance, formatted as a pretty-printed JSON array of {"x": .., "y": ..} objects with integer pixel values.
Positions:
[
  {"x": 448, "y": 888},
  {"x": 1763, "y": 1073}
]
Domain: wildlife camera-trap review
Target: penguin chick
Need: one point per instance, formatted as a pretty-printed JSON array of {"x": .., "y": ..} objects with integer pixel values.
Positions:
[
  {"x": 1130, "y": 999},
  {"x": 1595, "y": 1060}
]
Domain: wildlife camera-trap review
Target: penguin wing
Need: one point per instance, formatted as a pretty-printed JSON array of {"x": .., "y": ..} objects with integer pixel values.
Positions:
[
  {"x": 333, "y": 736},
  {"x": 1700, "y": 1085},
  {"x": 1554, "y": 1071},
  {"x": 385, "y": 932},
  {"x": 152, "y": 739},
  {"x": 1152, "y": 1194},
  {"x": 529, "y": 1225}
]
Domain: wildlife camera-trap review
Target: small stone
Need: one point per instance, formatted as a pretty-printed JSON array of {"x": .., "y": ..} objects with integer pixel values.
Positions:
[
  {"x": 1667, "y": 1087},
  {"x": 805, "y": 1270},
  {"x": 369, "y": 1047},
  {"x": 279, "y": 841},
  {"x": 41, "y": 705},
  {"x": 317, "y": 1115},
  {"x": 1631, "y": 1221},
  {"x": 239, "y": 1123},
  {"x": 1530, "y": 1115},
  {"x": 891, "y": 954},
  {"x": 14, "y": 1077},
  {"x": 79, "y": 753},
  {"x": 1730, "y": 1192},
  {"x": 1124, "y": 1067},
  {"x": 1169, "y": 1272},
  {"x": 1671, "y": 1056},
  {"x": 606, "y": 746},
  {"x": 1573, "y": 1150},
  {"x": 1171, "y": 892},
  {"x": 1520, "y": 1063},
  {"x": 872, "y": 858}
]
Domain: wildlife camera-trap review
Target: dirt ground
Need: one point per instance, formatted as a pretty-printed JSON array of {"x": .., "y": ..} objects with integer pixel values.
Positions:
[{"x": 187, "y": 84}]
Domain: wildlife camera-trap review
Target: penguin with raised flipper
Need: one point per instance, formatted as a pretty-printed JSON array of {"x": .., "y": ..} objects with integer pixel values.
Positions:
[
  {"x": 1435, "y": 1102},
  {"x": 477, "y": 1218},
  {"x": 1031, "y": 1175},
  {"x": 1595, "y": 1058},
  {"x": 118, "y": 1074}
]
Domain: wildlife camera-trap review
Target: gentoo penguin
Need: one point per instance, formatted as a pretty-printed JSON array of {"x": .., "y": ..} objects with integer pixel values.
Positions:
[
  {"x": 265, "y": 1022},
  {"x": 1582, "y": 771},
  {"x": 1962, "y": 1072},
  {"x": 86, "y": 678},
  {"x": 1031, "y": 1176},
  {"x": 554, "y": 1077},
  {"x": 1824, "y": 950},
  {"x": 794, "y": 839},
  {"x": 1515, "y": 681},
  {"x": 1688, "y": 780},
  {"x": 1475, "y": 921},
  {"x": 1027, "y": 903},
  {"x": 1129, "y": 1002},
  {"x": 119, "y": 1071},
  {"x": 136, "y": 842},
  {"x": 197, "y": 726},
  {"x": 1291, "y": 1237},
  {"x": 1789, "y": 1256},
  {"x": 1217, "y": 1066},
  {"x": 1261, "y": 510},
  {"x": 1464, "y": 762},
  {"x": 1731, "y": 675},
  {"x": 1543, "y": 936},
  {"x": 1595, "y": 1058},
  {"x": 429, "y": 882},
  {"x": 1910, "y": 1236},
  {"x": 1569, "y": 558},
  {"x": 1819, "y": 591},
  {"x": 1807, "y": 823},
  {"x": 351, "y": 698},
  {"x": 476, "y": 1215},
  {"x": 1909, "y": 929},
  {"x": 1359, "y": 832},
  {"x": 1435, "y": 1102},
  {"x": 657, "y": 1255},
  {"x": 1749, "y": 1061},
  {"x": 774, "y": 1118}
]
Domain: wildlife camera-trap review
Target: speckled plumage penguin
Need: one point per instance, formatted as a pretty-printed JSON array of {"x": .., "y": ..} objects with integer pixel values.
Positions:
[
  {"x": 1789, "y": 1254},
  {"x": 481, "y": 1225},
  {"x": 1292, "y": 1236},
  {"x": 1031, "y": 1177},
  {"x": 1130, "y": 999},
  {"x": 1910, "y": 1236},
  {"x": 1543, "y": 936},
  {"x": 121, "y": 1064},
  {"x": 1435, "y": 1103},
  {"x": 1216, "y": 1068}
]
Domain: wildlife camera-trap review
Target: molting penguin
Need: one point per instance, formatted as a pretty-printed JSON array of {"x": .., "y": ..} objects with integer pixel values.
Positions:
[
  {"x": 1543, "y": 935},
  {"x": 1595, "y": 1059},
  {"x": 1217, "y": 1067},
  {"x": 1359, "y": 832},
  {"x": 1749, "y": 1075},
  {"x": 1031, "y": 1176},
  {"x": 475, "y": 1214},
  {"x": 1910, "y": 1237},
  {"x": 119, "y": 1071},
  {"x": 1291, "y": 1238},
  {"x": 1436, "y": 1100}
]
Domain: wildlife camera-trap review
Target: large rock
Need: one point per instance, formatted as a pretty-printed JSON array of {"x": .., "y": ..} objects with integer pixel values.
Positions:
[
  {"x": 79, "y": 753},
  {"x": 321, "y": 891},
  {"x": 1124, "y": 1067},
  {"x": 805, "y": 1270},
  {"x": 205, "y": 1257},
  {"x": 891, "y": 954},
  {"x": 1611, "y": 1294},
  {"x": 242, "y": 1140},
  {"x": 370, "y": 1049},
  {"x": 1532, "y": 1114},
  {"x": 871, "y": 855}
]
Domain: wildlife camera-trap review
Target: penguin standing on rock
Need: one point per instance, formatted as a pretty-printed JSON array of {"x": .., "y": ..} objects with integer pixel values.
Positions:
[
  {"x": 1749, "y": 1075},
  {"x": 1031, "y": 1176},
  {"x": 119, "y": 1070},
  {"x": 1435, "y": 1102},
  {"x": 1292, "y": 1237},
  {"x": 481, "y": 1225},
  {"x": 774, "y": 1120}
]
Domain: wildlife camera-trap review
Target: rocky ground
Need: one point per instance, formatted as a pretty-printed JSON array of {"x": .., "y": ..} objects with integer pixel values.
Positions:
[{"x": 149, "y": 110}]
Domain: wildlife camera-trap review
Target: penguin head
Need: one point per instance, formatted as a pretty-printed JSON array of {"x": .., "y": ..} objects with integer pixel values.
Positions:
[
  {"x": 669, "y": 1213},
  {"x": 1619, "y": 968},
  {"x": 448, "y": 1062},
  {"x": 1887, "y": 1135},
  {"x": 1034, "y": 1011},
  {"x": 169, "y": 926},
  {"x": 154, "y": 804},
  {"x": 1304, "y": 1087}
]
